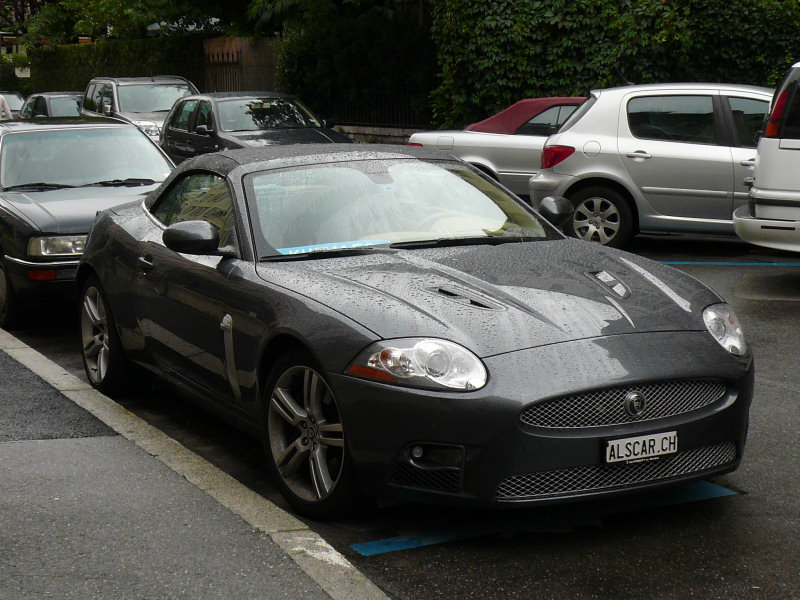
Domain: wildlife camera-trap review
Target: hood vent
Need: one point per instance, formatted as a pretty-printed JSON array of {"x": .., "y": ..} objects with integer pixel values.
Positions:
[
  {"x": 462, "y": 298},
  {"x": 612, "y": 282}
]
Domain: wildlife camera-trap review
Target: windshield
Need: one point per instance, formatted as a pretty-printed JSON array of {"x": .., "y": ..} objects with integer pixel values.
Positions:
[
  {"x": 151, "y": 97},
  {"x": 65, "y": 106},
  {"x": 79, "y": 157},
  {"x": 15, "y": 102},
  {"x": 382, "y": 202},
  {"x": 249, "y": 114}
]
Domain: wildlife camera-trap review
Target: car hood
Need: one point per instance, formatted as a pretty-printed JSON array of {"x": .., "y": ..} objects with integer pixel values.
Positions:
[
  {"x": 497, "y": 299},
  {"x": 69, "y": 210},
  {"x": 297, "y": 135}
]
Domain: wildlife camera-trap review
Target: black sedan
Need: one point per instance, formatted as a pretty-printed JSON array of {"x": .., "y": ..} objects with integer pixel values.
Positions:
[
  {"x": 226, "y": 120},
  {"x": 55, "y": 174},
  {"x": 392, "y": 323}
]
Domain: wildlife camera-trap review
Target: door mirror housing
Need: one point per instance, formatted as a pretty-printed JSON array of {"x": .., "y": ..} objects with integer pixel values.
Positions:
[
  {"x": 557, "y": 210},
  {"x": 192, "y": 237},
  {"x": 202, "y": 130}
]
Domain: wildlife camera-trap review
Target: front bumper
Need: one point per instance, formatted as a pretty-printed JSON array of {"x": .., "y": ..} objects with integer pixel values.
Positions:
[
  {"x": 33, "y": 281},
  {"x": 771, "y": 233},
  {"x": 477, "y": 450}
]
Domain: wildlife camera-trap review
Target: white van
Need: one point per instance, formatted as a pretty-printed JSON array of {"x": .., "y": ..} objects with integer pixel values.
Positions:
[{"x": 772, "y": 216}]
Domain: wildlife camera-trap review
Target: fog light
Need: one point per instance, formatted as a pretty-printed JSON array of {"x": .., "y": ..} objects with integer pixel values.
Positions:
[{"x": 417, "y": 452}]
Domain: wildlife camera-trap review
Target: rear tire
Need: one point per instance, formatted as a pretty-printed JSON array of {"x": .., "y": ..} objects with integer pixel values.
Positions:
[
  {"x": 104, "y": 360},
  {"x": 601, "y": 215}
]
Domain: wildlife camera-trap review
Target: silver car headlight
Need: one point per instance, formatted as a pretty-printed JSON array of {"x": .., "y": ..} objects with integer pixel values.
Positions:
[
  {"x": 723, "y": 325},
  {"x": 421, "y": 362},
  {"x": 148, "y": 127},
  {"x": 59, "y": 245}
]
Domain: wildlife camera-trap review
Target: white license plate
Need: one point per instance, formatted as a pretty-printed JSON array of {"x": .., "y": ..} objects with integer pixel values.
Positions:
[{"x": 642, "y": 447}]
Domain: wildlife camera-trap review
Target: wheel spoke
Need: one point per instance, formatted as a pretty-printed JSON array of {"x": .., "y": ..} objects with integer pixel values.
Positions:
[
  {"x": 331, "y": 434},
  {"x": 286, "y": 407},
  {"x": 320, "y": 475},
  {"x": 93, "y": 346},
  {"x": 93, "y": 312},
  {"x": 102, "y": 363},
  {"x": 311, "y": 391},
  {"x": 292, "y": 458}
]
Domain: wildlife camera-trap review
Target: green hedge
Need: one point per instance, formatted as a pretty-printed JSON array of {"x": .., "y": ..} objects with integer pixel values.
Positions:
[
  {"x": 493, "y": 52},
  {"x": 70, "y": 67}
]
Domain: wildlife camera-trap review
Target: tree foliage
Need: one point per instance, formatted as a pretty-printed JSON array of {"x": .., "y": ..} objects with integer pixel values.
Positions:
[{"x": 493, "y": 52}]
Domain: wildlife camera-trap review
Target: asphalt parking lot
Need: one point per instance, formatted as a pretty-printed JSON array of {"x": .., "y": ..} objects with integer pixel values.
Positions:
[{"x": 735, "y": 537}]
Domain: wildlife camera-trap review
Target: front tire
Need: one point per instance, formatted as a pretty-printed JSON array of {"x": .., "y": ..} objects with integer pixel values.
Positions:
[
  {"x": 305, "y": 440},
  {"x": 103, "y": 357},
  {"x": 9, "y": 304},
  {"x": 601, "y": 215}
]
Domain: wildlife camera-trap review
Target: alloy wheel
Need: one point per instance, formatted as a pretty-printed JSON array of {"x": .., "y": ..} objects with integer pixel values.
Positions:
[
  {"x": 95, "y": 335},
  {"x": 596, "y": 220},
  {"x": 306, "y": 437}
]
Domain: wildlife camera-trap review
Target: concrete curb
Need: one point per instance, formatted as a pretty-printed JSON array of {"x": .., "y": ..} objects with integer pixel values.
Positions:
[{"x": 327, "y": 567}]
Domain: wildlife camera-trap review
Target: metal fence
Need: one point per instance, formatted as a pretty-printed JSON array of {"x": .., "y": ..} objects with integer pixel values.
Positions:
[{"x": 380, "y": 109}]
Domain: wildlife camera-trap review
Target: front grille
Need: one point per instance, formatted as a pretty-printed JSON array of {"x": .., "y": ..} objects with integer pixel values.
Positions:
[
  {"x": 603, "y": 477},
  {"x": 599, "y": 408},
  {"x": 440, "y": 479}
]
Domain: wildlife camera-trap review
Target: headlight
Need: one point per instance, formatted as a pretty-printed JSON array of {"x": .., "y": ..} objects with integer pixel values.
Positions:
[
  {"x": 725, "y": 327},
  {"x": 148, "y": 127},
  {"x": 62, "y": 245},
  {"x": 421, "y": 362}
]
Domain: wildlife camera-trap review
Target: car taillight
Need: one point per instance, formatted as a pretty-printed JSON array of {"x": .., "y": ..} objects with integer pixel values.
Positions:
[
  {"x": 774, "y": 121},
  {"x": 552, "y": 155},
  {"x": 418, "y": 145}
]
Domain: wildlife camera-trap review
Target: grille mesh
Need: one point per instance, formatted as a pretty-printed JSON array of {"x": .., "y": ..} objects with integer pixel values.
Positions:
[
  {"x": 444, "y": 480},
  {"x": 599, "y": 408},
  {"x": 600, "y": 477}
]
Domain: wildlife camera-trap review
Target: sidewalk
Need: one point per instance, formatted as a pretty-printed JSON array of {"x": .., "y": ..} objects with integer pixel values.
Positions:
[{"x": 95, "y": 503}]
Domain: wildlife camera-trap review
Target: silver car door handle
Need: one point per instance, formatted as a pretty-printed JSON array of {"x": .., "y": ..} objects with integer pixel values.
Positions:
[
  {"x": 640, "y": 154},
  {"x": 750, "y": 162}
]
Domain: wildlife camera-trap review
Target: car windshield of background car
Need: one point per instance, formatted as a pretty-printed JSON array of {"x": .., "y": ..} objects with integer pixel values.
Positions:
[
  {"x": 376, "y": 202},
  {"x": 150, "y": 97},
  {"x": 264, "y": 113},
  {"x": 65, "y": 106},
  {"x": 75, "y": 157},
  {"x": 14, "y": 101}
]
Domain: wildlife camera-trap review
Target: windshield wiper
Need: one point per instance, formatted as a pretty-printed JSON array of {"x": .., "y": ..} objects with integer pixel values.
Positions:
[
  {"x": 486, "y": 240},
  {"x": 325, "y": 253},
  {"x": 130, "y": 181},
  {"x": 39, "y": 185}
]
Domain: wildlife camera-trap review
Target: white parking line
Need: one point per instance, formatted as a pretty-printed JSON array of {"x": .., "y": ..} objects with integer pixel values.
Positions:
[{"x": 327, "y": 567}]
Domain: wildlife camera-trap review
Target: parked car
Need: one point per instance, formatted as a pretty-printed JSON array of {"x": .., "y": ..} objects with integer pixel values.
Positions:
[
  {"x": 15, "y": 101},
  {"x": 389, "y": 321},
  {"x": 55, "y": 174},
  {"x": 772, "y": 217},
  {"x": 52, "y": 104},
  {"x": 662, "y": 157},
  {"x": 143, "y": 101},
  {"x": 506, "y": 146},
  {"x": 226, "y": 120}
]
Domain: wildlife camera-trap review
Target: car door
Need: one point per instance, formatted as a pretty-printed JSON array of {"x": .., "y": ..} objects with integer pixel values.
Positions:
[
  {"x": 187, "y": 303},
  {"x": 205, "y": 140},
  {"x": 177, "y": 140},
  {"x": 670, "y": 145},
  {"x": 747, "y": 118}
]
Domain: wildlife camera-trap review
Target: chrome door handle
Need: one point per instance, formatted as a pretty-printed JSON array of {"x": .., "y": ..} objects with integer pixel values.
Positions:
[
  {"x": 639, "y": 155},
  {"x": 750, "y": 163}
]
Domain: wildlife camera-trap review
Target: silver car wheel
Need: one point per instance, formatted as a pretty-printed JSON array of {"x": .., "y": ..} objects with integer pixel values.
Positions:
[
  {"x": 94, "y": 334},
  {"x": 596, "y": 220},
  {"x": 306, "y": 437}
]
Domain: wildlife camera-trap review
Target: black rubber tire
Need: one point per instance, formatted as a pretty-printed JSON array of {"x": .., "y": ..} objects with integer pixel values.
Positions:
[
  {"x": 9, "y": 303},
  {"x": 601, "y": 215},
  {"x": 300, "y": 487},
  {"x": 99, "y": 336}
]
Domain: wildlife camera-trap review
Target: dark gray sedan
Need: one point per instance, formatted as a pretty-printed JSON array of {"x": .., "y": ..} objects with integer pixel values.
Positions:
[
  {"x": 392, "y": 323},
  {"x": 55, "y": 175}
]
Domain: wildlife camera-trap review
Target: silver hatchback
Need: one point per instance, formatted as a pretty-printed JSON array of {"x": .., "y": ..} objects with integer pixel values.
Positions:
[{"x": 660, "y": 157}]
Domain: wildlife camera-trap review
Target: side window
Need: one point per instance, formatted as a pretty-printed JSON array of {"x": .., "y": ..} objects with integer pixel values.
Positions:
[
  {"x": 184, "y": 113},
  {"x": 748, "y": 119},
  {"x": 199, "y": 197},
  {"x": 204, "y": 116},
  {"x": 791, "y": 121},
  {"x": 673, "y": 118},
  {"x": 27, "y": 110},
  {"x": 89, "y": 100},
  {"x": 106, "y": 98},
  {"x": 544, "y": 123},
  {"x": 97, "y": 98}
]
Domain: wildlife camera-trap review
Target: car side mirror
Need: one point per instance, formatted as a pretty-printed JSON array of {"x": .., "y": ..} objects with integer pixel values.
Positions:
[
  {"x": 202, "y": 130},
  {"x": 556, "y": 209},
  {"x": 192, "y": 237},
  {"x": 106, "y": 109}
]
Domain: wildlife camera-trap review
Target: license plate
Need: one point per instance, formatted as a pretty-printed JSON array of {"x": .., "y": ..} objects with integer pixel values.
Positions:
[{"x": 642, "y": 447}]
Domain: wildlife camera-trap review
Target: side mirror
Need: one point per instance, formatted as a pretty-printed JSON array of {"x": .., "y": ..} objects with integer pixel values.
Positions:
[
  {"x": 202, "y": 130},
  {"x": 556, "y": 209},
  {"x": 106, "y": 109},
  {"x": 192, "y": 237}
]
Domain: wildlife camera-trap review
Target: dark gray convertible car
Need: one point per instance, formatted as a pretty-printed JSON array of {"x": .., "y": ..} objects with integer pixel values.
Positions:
[{"x": 393, "y": 323}]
